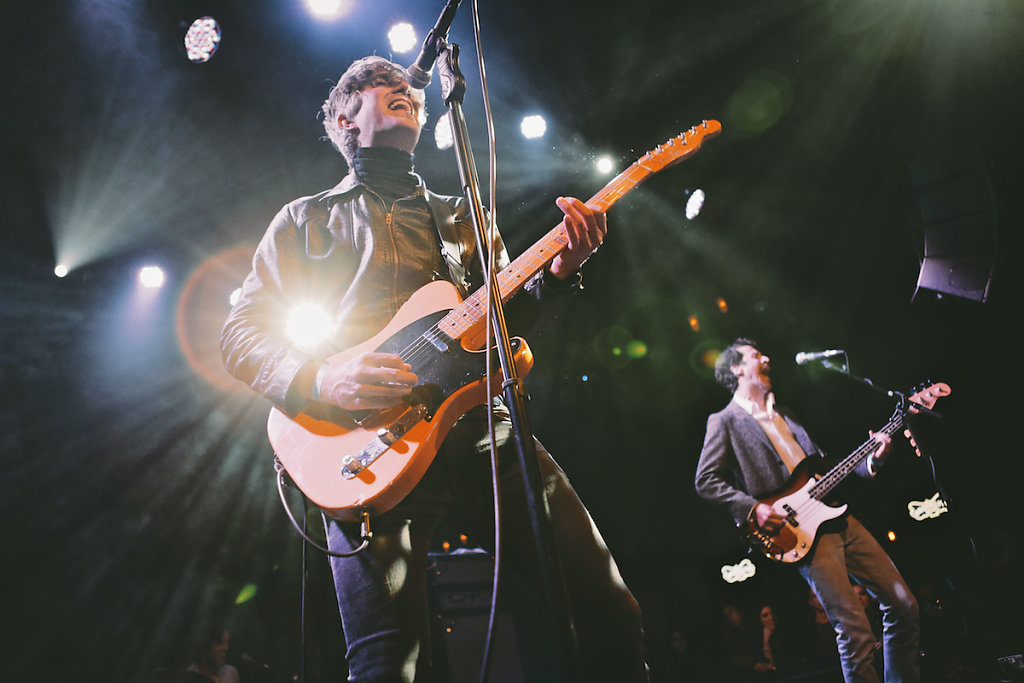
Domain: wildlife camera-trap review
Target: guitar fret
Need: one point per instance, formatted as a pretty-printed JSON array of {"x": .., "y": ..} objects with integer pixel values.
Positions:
[
  {"x": 471, "y": 312},
  {"x": 850, "y": 463}
]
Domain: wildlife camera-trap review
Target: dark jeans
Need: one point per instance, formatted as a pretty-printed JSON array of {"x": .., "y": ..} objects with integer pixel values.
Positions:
[
  {"x": 382, "y": 592},
  {"x": 852, "y": 552}
]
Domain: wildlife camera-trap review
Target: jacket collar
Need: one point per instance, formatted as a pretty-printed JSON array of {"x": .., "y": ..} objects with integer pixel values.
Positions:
[{"x": 350, "y": 184}]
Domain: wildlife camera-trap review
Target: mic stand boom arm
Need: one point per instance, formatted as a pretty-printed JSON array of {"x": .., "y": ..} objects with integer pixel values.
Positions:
[
  {"x": 453, "y": 88},
  {"x": 844, "y": 369}
]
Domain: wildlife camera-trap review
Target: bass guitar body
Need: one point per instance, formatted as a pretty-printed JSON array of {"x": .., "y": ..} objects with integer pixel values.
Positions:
[{"x": 802, "y": 513}]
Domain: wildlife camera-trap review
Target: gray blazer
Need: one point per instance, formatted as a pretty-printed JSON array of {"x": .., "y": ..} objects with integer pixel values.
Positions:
[{"x": 739, "y": 465}]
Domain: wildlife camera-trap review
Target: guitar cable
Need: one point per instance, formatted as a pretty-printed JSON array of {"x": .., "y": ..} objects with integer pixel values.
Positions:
[{"x": 365, "y": 532}]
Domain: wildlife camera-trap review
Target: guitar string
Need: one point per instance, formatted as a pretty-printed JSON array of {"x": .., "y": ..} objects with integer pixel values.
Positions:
[
  {"x": 513, "y": 271},
  {"x": 824, "y": 485},
  {"x": 617, "y": 188},
  {"x": 837, "y": 474}
]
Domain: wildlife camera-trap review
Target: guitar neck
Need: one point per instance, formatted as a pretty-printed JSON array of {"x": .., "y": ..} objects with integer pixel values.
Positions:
[
  {"x": 472, "y": 312},
  {"x": 849, "y": 464}
]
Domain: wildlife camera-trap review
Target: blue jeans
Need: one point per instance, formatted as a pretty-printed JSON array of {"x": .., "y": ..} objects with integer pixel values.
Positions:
[
  {"x": 852, "y": 552},
  {"x": 382, "y": 592}
]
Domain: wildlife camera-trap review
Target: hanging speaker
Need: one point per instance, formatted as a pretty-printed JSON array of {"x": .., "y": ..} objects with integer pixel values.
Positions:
[{"x": 959, "y": 222}]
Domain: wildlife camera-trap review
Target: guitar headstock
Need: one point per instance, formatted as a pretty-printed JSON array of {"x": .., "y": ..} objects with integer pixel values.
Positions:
[
  {"x": 678, "y": 148},
  {"x": 926, "y": 395}
]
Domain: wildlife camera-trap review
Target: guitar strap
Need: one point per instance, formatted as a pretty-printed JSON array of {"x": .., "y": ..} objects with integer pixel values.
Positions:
[{"x": 453, "y": 249}]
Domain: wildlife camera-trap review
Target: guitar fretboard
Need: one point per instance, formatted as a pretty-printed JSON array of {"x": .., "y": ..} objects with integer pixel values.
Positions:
[
  {"x": 838, "y": 473},
  {"x": 472, "y": 312}
]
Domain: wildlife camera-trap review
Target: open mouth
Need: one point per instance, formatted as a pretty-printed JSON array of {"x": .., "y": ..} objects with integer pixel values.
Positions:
[{"x": 401, "y": 105}]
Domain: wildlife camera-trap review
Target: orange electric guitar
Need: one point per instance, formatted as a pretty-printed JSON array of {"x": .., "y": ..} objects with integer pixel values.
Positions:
[
  {"x": 348, "y": 467},
  {"x": 800, "y": 501}
]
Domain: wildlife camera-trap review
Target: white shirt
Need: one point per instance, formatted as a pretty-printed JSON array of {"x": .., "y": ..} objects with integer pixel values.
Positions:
[{"x": 777, "y": 430}]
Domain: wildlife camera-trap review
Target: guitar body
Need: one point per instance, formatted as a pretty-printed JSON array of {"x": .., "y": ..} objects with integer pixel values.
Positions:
[
  {"x": 348, "y": 463},
  {"x": 803, "y": 514},
  {"x": 451, "y": 380}
]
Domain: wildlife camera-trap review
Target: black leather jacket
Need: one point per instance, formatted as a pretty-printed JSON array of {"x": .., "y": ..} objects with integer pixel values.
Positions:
[{"x": 359, "y": 259}]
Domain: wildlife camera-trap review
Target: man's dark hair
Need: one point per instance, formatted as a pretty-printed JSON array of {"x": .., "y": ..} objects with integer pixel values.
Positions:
[
  {"x": 344, "y": 98},
  {"x": 729, "y": 357}
]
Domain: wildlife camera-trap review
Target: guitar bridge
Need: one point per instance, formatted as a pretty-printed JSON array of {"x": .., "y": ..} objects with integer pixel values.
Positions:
[{"x": 352, "y": 465}]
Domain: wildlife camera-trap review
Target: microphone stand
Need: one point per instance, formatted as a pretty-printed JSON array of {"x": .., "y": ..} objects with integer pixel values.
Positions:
[
  {"x": 905, "y": 403},
  {"x": 453, "y": 88},
  {"x": 844, "y": 369}
]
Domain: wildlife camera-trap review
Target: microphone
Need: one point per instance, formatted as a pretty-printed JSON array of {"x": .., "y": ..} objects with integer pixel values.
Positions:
[
  {"x": 805, "y": 357},
  {"x": 419, "y": 72}
]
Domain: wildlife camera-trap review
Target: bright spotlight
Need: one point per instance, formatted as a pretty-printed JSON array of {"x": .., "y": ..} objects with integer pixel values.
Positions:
[
  {"x": 694, "y": 204},
  {"x": 604, "y": 165},
  {"x": 402, "y": 37},
  {"x": 328, "y": 9},
  {"x": 151, "y": 277},
  {"x": 61, "y": 270},
  {"x": 533, "y": 126},
  {"x": 202, "y": 39},
  {"x": 443, "y": 137},
  {"x": 308, "y": 325}
]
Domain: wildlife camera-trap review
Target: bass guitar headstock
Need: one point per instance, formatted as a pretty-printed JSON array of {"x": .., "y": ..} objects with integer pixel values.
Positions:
[{"x": 926, "y": 395}]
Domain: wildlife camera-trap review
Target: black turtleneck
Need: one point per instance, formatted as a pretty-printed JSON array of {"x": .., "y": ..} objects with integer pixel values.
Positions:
[{"x": 386, "y": 171}]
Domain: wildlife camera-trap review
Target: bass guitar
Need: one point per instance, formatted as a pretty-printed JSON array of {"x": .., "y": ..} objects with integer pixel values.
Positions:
[
  {"x": 350, "y": 465},
  {"x": 800, "y": 501}
]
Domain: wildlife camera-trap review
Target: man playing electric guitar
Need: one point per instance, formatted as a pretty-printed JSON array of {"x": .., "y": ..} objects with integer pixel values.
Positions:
[
  {"x": 361, "y": 250},
  {"x": 750, "y": 450}
]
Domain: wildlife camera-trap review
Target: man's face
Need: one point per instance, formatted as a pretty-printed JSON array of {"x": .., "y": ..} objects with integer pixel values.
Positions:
[
  {"x": 754, "y": 369},
  {"x": 767, "y": 617},
  {"x": 388, "y": 116},
  {"x": 219, "y": 651}
]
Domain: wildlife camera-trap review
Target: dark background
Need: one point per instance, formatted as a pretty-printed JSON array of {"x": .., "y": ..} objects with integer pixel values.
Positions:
[{"x": 137, "y": 492}]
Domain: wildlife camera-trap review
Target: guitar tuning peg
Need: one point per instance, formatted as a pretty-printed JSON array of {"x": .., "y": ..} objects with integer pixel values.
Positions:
[{"x": 913, "y": 444}]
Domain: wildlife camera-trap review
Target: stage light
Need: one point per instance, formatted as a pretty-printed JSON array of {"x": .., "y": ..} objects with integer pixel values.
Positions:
[
  {"x": 328, "y": 9},
  {"x": 202, "y": 39},
  {"x": 891, "y": 535},
  {"x": 694, "y": 204},
  {"x": 636, "y": 349},
  {"x": 443, "y": 137},
  {"x": 402, "y": 37},
  {"x": 604, "y": 165},
  {"x": 723, "y": 305},
  {"x": 151, "y": 277},
  {"x": 533, "y": 126},
  {"x": 308, "y": 325},
  {"x": 736, "y": 573},
  {"x": 247, "y": 593},
  {"x": 929, "y": 508},
  {"x": 694, "y": 323},
  {"x": 61, "y": 270}
]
